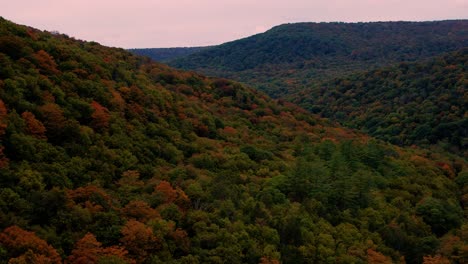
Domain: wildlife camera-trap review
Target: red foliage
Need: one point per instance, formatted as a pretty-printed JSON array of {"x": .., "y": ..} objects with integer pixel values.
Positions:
[
  {"x": 375, "y": 257},
  {"x": 267, "y": 260},
  {"x": 54, "y": 120},
  {"x": 87, "y": 197},
  {"x": 3, "y": 126},
  {"x": 45, "y": 62},
  {"x": 89, "y": 250},
  {"x": 448, "y": 170},
  {"x": 100, "y": 116},
  {"x": 117, "y": 101},
  {"x": 139, "y": 240},
  {"x": 3, "y": 118},
  {"x": 435, "y": 260},
  {"x": 140, "y": 211},
  {"x": 182, "y": 240},
  {"x": 34, "y": 127},
  {"x": 170, "y": 194},
  {"x": 25, "y": 247}
]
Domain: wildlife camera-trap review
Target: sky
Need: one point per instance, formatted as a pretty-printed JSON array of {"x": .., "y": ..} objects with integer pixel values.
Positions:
[{"x": 185, "y": 23}]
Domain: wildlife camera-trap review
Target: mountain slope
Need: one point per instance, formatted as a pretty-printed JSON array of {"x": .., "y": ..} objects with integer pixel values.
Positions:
[
  {"x": 422, "y": 103},
  {"x": 166, "y": 54},
  {"x": 106, "y": 157},
  {"x": 291, "y": 56}
]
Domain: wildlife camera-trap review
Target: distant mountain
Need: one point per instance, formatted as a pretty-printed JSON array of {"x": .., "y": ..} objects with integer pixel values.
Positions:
[
  {"x": 289, "y": 57},
  {"x": 423, "y": 103},
  {"x": 167, "y": 54},
  {"x": 108, "y": 157}
]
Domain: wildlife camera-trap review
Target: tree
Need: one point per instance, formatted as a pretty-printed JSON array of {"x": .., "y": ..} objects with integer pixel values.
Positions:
[
  {"x": 168, "y": 192},
  {"x": 100, "y": 116},
  {"x": 140, "y": 211},
  {"x": 89, "y": 250},
  {"x": 139, "y": 240},
  {"x": 45, "y": 62},
  {"x": 3, "y": 126},
  {"x": 54, "y": 120},
  {"x": 3, "y": 118},
  {"x": 34, "y": 127},
  {"x": 25, "y": 247},
  {"x": 435, "y": 260},
  {"x": 375, "y": 257}
]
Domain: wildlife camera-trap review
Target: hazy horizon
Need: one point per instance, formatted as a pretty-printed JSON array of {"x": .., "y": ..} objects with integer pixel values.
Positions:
[{"x": 184, "y": 23}]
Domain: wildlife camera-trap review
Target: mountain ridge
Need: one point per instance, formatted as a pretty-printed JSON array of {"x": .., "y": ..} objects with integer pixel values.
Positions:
[
  {"x": 107, "y": 157},
  {"x": 315, "y": 51}
]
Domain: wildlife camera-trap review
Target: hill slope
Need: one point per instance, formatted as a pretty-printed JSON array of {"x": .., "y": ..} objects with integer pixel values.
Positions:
[
  {"x": 166, "y": 54},
  {"x": 422, "y": 103},
  {"x": 106, "y": 157},
  {"x": 292, "y": 56}
]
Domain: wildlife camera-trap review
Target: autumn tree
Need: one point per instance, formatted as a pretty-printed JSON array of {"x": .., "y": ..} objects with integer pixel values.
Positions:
[
  {"x": 34, "y": 127},
  {"x": 54, "y": 120},
  {"x": 139, "y": 240},
  {"x": 100, "y": 116},
  {"x": 140, "y": 211},
  {"x": 168, "y": 192},
  {"x": 375, "y": 257},
  {"x": 89, "y": 250},
  {"x": 435, "y": 260},
  {"x": 45, "y": 62},
  {"x": 25, "y": 247},
  {"x": 3, "y": 126}
]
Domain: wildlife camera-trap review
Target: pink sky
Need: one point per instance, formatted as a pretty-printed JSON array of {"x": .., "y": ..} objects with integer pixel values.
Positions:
[{"x": 175, "y": 23}]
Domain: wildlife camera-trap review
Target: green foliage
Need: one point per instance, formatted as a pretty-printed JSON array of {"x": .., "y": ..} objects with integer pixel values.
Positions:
[
  {"x": 166, "y": 54},
  {"x": 412, "y": 103},
  {"x": 291, "y": 57},
  {"x": 314, "y": 65},
  {"x": 165, "y": 166}
]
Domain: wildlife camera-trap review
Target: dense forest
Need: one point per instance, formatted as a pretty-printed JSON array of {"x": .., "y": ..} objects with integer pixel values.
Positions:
[
  {"x": 107, "y": 157},
  {"x": 422, "y": 103},
  {"x": 415, "y": 95},
  {"x": 167, "y": 54},
  {"x": 290, "y": 57}
]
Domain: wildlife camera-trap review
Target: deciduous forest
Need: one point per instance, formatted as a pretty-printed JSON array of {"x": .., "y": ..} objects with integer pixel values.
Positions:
[{"x": 108, "y": 157}]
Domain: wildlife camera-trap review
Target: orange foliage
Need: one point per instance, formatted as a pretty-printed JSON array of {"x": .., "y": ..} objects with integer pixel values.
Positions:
[
  {"x": 53, "y": 117},
  {"x": 435, "y": 260},
  {"x": 83, "y": 195},
  {"x": 89, "y": 250},
  {"x": 25, "y": 247},
  {"x": 46, "y": 62},
  {"x": 229, "y": 131},
  {"x": 139, "y": 240},
  {"x": 48, "y": 97},
  {"x": 32, "y": 34},
  {"x": 448, "y": 170},
  {"x": 182, "y": 240},
  {"x": 182, "y": 200},
  {"x": 267, "y": 260},
  {"x": 117, "y": 101},
  {"x": 140, "y": 211},
  {"x": 170, "y": 194},
  {"x": 100, "y": 116},
  {"x": 34, "y": 127},
  {"x": 3, "y": 159},
  {"x": 3, "y": 118},
  {"x": 375, "y": 257},
  {"x": 3, "y": 126}
]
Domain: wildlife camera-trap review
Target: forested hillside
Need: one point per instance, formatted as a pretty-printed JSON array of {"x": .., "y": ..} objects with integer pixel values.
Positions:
[
  {"x": 290, "y": 57},
  {"x": 166, "y": 54},
  {"x": 422, "y": 103},
  {"x": 106, "y": 157}
]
